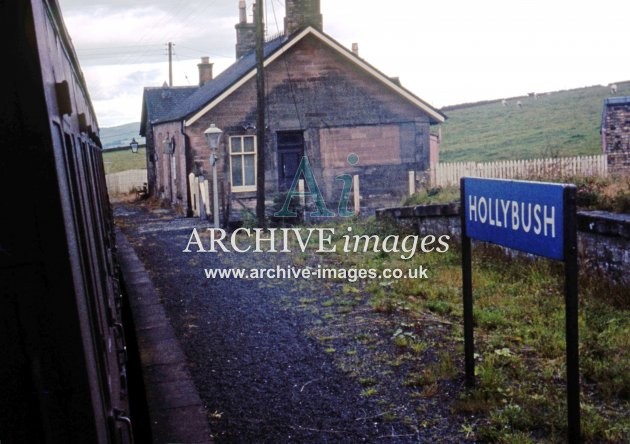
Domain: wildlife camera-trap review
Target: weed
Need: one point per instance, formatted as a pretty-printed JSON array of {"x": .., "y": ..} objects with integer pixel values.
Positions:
[
  {"x": 418, "y": 347},
  {"x": 490, "y": 318},
  {"x": 366, "y": 393},
  {"x": 433, "y": 196},
  {"x": 420, "y": 379},
  {"x": 439, "y": 307},
  {"x": 367, "y": 382}
]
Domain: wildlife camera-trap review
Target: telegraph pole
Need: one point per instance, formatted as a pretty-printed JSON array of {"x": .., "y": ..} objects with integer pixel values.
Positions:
[
  {"x": 260, "y": 123},
  {"x": 170, "y": 63}
]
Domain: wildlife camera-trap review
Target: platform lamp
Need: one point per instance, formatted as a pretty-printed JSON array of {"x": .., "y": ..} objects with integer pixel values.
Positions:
[
  {"x": 134, "y": 146},
  {"x": 213, "y": 137}
]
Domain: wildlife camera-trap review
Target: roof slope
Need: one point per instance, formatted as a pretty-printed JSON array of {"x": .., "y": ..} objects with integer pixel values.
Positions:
[
  {"x": 213, "y": 92},
  {"x": 158, "y": 102}
]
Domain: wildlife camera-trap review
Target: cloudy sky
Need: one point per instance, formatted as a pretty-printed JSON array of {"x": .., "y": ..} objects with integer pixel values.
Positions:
[{"x": 446, "y": 51}]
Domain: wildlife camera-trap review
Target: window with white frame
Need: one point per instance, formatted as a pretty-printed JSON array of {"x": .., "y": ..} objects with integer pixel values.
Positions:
[{"x": 243, "y": 163}]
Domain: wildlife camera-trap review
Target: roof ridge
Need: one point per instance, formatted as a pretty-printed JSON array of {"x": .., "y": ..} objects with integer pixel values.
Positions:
[
  {"x": 170, "y": 87},
  {"x": 198, "y": 101}
]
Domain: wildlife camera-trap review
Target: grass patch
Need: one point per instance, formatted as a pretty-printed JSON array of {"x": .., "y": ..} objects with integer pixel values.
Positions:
[
  {"x": 520, "y": 344},
  {"x": 123, "y": 160}
]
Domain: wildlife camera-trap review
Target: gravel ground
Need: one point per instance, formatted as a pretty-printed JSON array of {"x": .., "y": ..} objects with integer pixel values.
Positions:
[{"x": 258, "y": 356}]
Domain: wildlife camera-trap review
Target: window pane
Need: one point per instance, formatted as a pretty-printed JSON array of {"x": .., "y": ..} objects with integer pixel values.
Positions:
[
  {"x": 250, "y": 170},
  {"x": 237, "y": 171},
  {"x": 236, "y": 145},
  {"x": 249, "y": 144}
]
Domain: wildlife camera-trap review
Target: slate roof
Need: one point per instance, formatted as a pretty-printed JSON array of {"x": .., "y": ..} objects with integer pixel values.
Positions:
[
  {"x": 207, "y": 93},
  {"x": 220, "y": 83},
  {"x": 158, "y": 102}
]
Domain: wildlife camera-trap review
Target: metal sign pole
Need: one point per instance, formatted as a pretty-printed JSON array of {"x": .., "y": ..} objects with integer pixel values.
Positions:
[
  {"x": 469, "y": 342},
  {"x": 571, "y": 314}
]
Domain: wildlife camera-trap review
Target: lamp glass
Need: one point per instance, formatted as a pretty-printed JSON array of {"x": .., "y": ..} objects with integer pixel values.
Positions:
[
  {"x": 213, "y": 136},
  {"x": 134, "y": 145}
]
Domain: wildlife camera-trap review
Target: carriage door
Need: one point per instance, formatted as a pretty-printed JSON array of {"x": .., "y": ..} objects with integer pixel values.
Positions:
[{"x": 290, "y": 153}]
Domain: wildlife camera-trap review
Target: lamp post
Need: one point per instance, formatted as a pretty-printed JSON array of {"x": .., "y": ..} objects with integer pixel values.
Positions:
[
  {"x": 213, "y": 137},
  {"x": 134, "y": 146}
]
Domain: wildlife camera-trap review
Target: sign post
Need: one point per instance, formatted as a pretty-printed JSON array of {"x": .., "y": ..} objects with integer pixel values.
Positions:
[{"x": 537, "y": 218}]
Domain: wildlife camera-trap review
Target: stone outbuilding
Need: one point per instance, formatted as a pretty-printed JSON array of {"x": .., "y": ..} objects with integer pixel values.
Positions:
[{"x": 323, "y": 103}]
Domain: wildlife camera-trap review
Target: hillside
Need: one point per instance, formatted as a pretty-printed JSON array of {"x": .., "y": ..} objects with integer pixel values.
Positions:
[
  {"x": 561, "y": 123},
  {"x": 117, "y": 136}
]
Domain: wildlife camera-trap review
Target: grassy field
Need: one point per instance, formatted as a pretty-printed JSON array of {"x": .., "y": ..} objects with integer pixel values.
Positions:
[
  {"x": 563, "y": 123},
  {"x": 116, "y": 161}
]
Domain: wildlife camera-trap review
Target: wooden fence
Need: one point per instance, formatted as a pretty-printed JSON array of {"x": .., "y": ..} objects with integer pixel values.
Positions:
[
  {"x": 125, "y": 181},
  {"x": 445, "y": 174}
]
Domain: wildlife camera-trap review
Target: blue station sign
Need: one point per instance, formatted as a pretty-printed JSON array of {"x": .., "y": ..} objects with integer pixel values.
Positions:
[
  {"x": 537, "y": 218},
  {"x": 525, "y": 216}
]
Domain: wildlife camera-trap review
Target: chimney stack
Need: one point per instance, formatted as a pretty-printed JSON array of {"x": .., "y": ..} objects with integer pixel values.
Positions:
[
  {"x": 245, "y": 32},
  {"x": 205, "y": 71},
  {"x": 355, "y": 49},
  {"x": 302, "y": 13}
]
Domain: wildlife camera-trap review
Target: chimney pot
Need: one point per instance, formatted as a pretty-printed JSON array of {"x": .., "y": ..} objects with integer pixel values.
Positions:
[
  {"x": 242, "y": 11},
  {"x": 245, "y": 32},
  {"x": 355, "y": 49}
]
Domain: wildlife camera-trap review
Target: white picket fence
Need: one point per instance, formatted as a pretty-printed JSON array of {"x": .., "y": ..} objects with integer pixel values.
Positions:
[
  {"x": 125, "y": 181},
  {"x": 449, "y": 173}
]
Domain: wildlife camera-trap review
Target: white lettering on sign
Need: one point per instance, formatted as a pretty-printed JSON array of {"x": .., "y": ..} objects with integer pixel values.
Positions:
[{"x": 511, "y": 214}]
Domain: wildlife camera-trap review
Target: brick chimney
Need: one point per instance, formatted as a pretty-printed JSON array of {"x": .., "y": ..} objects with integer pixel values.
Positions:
[
  {"x": 302, "y": 13},
  {"x": 205, "y": 71},
  {"x": 245, "y": 32}
]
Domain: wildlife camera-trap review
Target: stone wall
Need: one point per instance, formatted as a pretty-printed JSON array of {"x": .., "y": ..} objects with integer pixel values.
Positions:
[
  {"x": 603, "y": 238},
  {"x": 315, "y": 90},
  {"x": 616, "y": 135}
]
